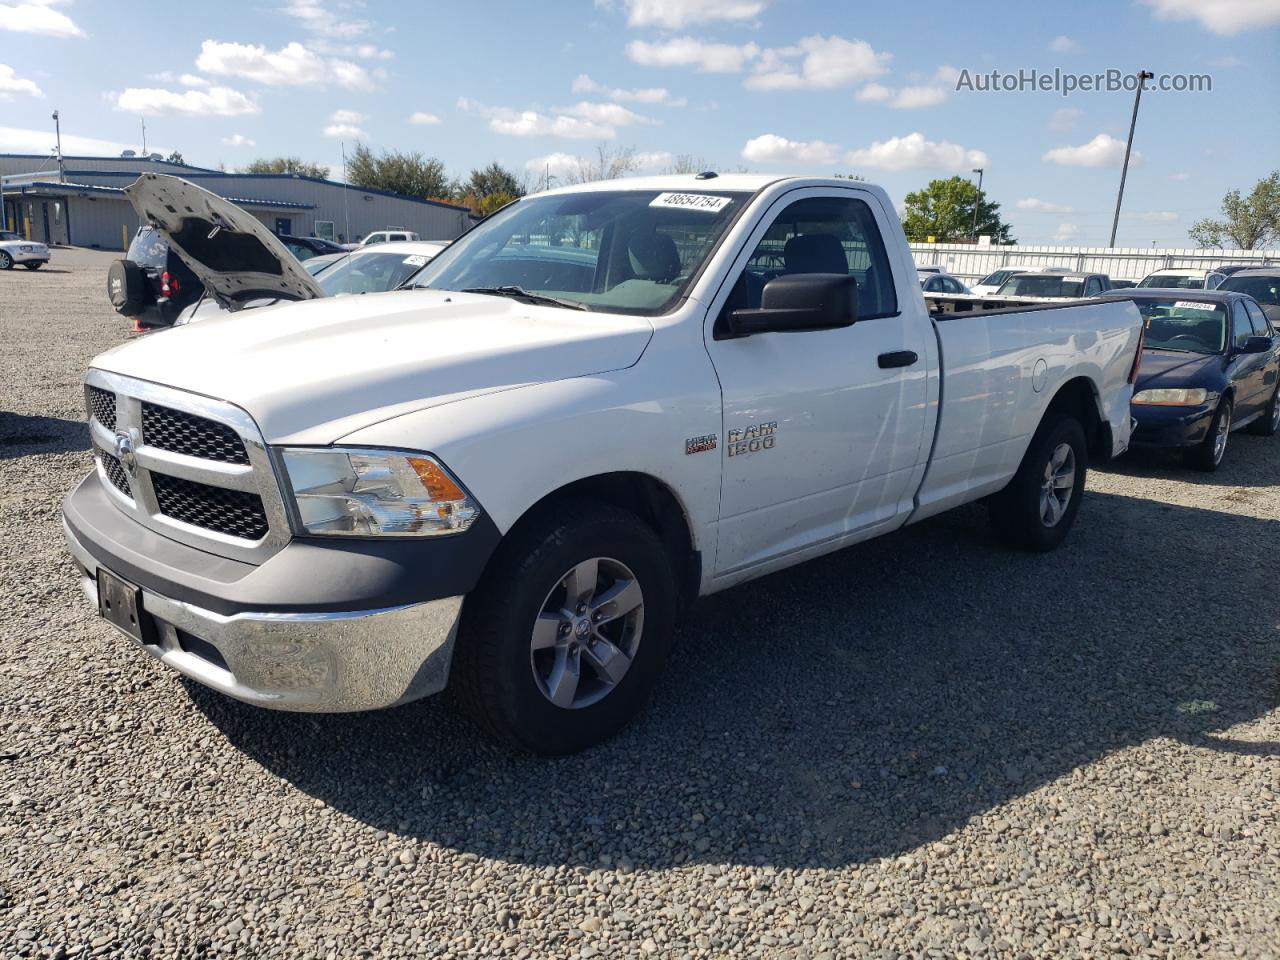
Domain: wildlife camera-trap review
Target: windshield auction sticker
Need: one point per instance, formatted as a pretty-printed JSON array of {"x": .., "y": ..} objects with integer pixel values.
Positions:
[
  {"x": 691, "y": 201},
  {"x": 1194, "y": 305}
]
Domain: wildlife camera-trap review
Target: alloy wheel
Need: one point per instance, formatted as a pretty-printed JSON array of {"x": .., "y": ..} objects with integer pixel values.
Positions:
[
  {"x": 587, "y": 633},
  {"x": 1058, "y": 484},
  {"x": 1224, "y": 431}
]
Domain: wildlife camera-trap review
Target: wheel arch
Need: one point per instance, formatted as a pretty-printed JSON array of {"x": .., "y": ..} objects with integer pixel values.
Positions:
[{"x": 1079, "y": 396}]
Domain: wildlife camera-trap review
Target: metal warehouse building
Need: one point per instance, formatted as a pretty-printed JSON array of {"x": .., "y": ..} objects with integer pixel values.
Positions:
[{"x": 83, "y": 203}]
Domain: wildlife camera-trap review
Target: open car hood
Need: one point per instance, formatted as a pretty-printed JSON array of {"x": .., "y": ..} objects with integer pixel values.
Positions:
[{"x": 232, "y": 252}]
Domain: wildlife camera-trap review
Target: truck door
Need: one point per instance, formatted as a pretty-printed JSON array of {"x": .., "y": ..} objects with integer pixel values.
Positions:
[{"x": 822, "y": 429}]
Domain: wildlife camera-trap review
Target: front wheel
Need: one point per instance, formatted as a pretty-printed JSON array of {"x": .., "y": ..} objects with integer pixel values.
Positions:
[
  {"x": 1208, "y": 453},
  {"x": 6, "y": 261},
  {"x": 565, "y": 638},
  {"x": 1038, "y": 507},
  {"x": 34, "y": 265}
]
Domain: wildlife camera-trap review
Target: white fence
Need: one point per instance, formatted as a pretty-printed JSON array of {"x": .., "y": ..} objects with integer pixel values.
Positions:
[{"x": 973, "y": 262}]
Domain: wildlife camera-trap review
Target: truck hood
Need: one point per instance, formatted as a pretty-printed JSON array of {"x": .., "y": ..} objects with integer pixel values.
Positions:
[
  {"x": 232, "y": 252},
  {"x": 314, "y": 372}
]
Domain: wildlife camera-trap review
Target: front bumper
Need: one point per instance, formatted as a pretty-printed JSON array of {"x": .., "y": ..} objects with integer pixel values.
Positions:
[
  {"x": 38, "y": 255},
  {"x": 326, "y": 628},
  {"x": 1159, "y": 426}
]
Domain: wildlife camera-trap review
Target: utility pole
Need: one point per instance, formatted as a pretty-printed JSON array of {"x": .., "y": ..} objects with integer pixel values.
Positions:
[
  {"x": 144, "y": 135},
  {"x": 1143, "y": 77},
  {"x": 974, "y": 230},
  {"x": 57, "y": 131},
  {"x": 346, "y": 190}
]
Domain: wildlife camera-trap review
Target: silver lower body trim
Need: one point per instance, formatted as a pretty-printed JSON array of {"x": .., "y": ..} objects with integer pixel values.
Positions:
[{"x": 311, "y": 662}]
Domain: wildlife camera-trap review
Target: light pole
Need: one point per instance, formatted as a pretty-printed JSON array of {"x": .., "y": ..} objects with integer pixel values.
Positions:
[
  {"x": 57, "y": 131},
  {"x": 974, "y": 231},
  {"x": 1143, "y": 77}
]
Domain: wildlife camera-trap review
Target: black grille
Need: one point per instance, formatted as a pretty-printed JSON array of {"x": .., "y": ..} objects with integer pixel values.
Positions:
[
  {"x": 115, "y": 473},
  {"x": 230, "y": 512},
  {"x": 103, "y": 404},
  {"x": 194, "y": 436}
]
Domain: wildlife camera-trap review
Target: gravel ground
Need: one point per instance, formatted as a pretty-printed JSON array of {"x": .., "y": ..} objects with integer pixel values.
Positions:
[{"x": 923, "y": 746}]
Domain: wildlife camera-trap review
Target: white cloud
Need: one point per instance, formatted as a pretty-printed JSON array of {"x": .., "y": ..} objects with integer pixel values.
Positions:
[
  {"x": 654, "y": 160},
  {"x": 361, "y": 51},
  {"x": 1064, "y": 119},
  {"x": 191, "y": 80},
  {"x": 1066, "y": 232},
  {"x": 607, "y": 114},
  {"x": 423, "y": 119},
  {"x": 912, "y": 98},
  {"x": 827, "y": 63},
  {"x": 292, "y": 65},
  {"x": 214, "y": 102},
  {"x": 1103, "y": 150},
  {"x": 322, "y": 20},
  {"x": 531, "y": 123},
  {"x": 13, "y": 85},
  {"x": 1061, "y": 44},
  {"x": 344, "y": 131},
  {"x": 1151, "y": 216},
  {"x": 771, "y": 148},
  {"x": 238, "y": 140},
  {"x": 688, "y": 52},
  {"x": 874, "y": 93},
  {"x": 584, "y": 84},
  {"x": 23, "y": 140},
  {"x": 37, "y": 17},
  {"x": 1223, "y": 17},
  {"x": 557, "y": 164},
  {"x": 346, "y": 116},
  {"x": 1042, "y": 206},
  {"x": 914, "y": 152},
  {"x": 675, "y": 14}
]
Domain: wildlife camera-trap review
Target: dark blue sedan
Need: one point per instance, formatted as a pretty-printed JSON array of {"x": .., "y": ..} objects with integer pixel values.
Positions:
[{"x": 1210, "y": 365}]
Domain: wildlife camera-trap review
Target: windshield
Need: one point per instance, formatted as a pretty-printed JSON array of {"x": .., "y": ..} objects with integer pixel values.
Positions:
[
  {"x": 1263, "y": 289},
  {"x": 8, "y": 235},
  {"x": 1174, "y": 281},
  {"x": 616, "y": 251},
  {"x": 1186, "y": 325},
  {"x": 371, "y": 272},
  {"x": 995, "y": 279},
  {"x": 1043, "y": 285}
]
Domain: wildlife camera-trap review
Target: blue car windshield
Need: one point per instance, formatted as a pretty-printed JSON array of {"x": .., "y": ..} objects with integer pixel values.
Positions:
[
  {"x": 614, "y": 251},
  {"x": 1188, "y": 326}
]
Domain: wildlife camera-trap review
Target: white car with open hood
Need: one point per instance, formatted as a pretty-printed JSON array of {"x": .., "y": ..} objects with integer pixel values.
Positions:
[{"x": 600, "y": 403}]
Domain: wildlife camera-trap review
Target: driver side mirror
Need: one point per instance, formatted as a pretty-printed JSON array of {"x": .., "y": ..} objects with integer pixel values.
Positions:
[
  {"x": 798, "y": 302},
  {"x": 1252, "y": 345}
]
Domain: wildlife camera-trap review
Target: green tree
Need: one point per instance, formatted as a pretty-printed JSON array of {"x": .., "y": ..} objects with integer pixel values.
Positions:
[
  {"x": 944, "y": 209},
  {"x": 1251, "y": 222},
  {"x": 176, "y": 157},
  {"x": 410, "y": 174},
  {"x": 295, "y": 165},
  {"x": 493, "y": 201},
  {"x": 491, "y": 180}
]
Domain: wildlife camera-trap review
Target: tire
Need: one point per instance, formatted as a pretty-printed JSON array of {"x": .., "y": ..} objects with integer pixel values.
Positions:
[
  {"x": 1055, "y": 464},
  {"x": 36, "y": 265},
  {"x": 126, "y": 287},
  {"x": 1208, "y": 453},
  {"x": 6, "y": 261},
  {"x": 1267, "y": 424},
  {"x": 511, "y": 659}
]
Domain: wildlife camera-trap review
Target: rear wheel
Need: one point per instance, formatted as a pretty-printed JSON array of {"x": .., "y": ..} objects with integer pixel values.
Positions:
[
  {"x": 6, "y": 261},
  {"x": 567, "y": 635},
  {"x": 1208, "y": 453},
  {"x": 1267, "y": 424},
  {"x": 1038, "y": 507}
]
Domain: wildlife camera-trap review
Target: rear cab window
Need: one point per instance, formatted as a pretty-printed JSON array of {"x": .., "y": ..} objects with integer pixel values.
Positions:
[{"x": 149, "y": 249}]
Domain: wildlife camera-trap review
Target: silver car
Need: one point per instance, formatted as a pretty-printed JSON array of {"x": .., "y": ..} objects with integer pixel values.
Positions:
[{"x": 14, "y": 249}]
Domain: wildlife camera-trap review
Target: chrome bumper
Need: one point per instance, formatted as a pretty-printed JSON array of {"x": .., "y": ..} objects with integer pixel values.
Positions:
[{"x": 316, "y": 662}]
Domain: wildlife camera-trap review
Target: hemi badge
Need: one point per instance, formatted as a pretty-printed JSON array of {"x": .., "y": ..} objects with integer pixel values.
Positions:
[{"x": 700, "y": 444}]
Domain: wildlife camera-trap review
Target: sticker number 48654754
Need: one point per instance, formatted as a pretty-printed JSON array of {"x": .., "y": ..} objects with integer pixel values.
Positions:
[{"x": 691, "y": 201}]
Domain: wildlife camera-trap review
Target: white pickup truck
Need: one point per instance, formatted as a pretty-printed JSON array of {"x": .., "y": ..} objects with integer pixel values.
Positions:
[{"x": 599, "y": 404}]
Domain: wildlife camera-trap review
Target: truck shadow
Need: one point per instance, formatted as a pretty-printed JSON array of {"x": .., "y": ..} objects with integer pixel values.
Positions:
[
  {"x": 1247, "y": 463},
  {"x": 24, "y": 435},
  {"x": 852, "y": 708}
]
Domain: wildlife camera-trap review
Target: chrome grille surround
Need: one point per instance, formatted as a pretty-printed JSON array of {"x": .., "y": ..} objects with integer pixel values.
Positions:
[{"x": 257, "y": 477}]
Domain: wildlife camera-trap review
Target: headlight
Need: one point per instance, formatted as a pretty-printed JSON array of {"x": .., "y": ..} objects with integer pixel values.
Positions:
[
  {"x": 1172, "y": 398},
  {"x": 375, "y": 493},
  {"x": 26, "y": 248}
]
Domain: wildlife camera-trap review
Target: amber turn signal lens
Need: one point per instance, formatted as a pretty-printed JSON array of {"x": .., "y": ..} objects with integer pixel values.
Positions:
[{"x": 439, "y": 485}]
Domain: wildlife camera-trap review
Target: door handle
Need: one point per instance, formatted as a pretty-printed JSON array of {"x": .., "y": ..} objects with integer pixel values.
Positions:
[{"x": 898, "y": 358}]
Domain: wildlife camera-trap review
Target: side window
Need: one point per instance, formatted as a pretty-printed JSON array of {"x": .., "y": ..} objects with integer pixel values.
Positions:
[
  {"x": 954, "y": 285},
  {"x": 1093, "y": 287},
  {"x": 822, "y": 235},
  {"x": 1241, "y": 328},
  {"x": 1259, "y": 319}
]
